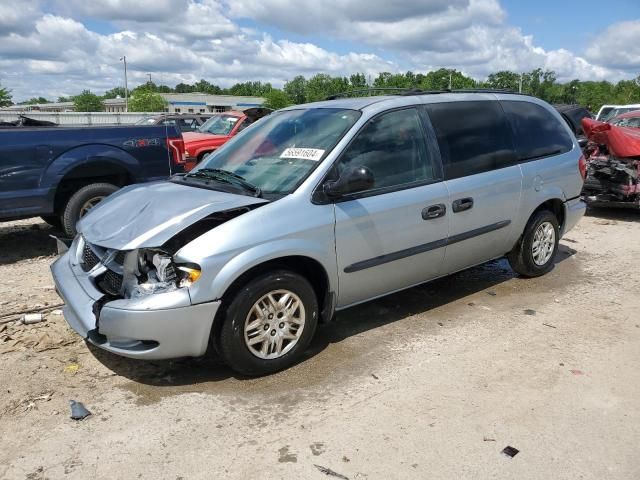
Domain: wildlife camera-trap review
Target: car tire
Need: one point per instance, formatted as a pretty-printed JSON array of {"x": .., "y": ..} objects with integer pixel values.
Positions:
[
  {"x": 232, "y": 342},
  {"x": 536, "y": 250},
  {"x": 53, "y": 220},
  {"x": 81, "y": 201}
]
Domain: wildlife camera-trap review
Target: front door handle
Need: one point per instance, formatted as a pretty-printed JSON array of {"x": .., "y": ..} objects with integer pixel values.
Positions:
[
  {"x": 434, "y": 211},
  {"x": 462, "y": 204}
]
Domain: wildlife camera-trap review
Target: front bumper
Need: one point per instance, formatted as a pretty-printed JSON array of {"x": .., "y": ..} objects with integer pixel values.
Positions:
[
  {"x": 574, "y": 210},
  {"x": 159, "y": 326}
]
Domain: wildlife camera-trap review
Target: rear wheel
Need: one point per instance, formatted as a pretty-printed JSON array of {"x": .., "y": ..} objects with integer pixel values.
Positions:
[
  {"x": 82, "y": 202},
  {"x": 534, "y": 254},
  {"x": 268, "y": 324}
]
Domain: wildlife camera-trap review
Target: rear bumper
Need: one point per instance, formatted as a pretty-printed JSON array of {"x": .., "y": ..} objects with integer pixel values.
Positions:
[
  {"x": 155, "y": 327},
  {"x": 574, "y": 210}
]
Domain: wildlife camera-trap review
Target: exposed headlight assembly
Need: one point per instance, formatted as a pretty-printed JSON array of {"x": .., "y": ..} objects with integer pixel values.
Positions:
[{"x": 154, "y": 271}]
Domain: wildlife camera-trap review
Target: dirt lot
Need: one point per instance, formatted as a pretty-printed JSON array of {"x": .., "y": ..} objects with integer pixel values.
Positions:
[{"x": 430, "y": 383}]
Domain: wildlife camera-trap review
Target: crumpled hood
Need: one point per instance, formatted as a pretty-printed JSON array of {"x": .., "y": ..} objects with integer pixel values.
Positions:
[{"x": 147, "y": 215}]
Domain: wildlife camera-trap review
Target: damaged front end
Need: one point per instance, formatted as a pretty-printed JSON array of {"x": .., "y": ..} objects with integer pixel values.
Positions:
[
  {"x": 613, "y": 165},
  {"x": 136, "y": 302}
]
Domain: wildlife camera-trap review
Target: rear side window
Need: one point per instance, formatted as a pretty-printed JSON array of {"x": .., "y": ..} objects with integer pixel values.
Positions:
[
  {"x": 473, "y": 137},
  {"x": 537, "y": 133}
]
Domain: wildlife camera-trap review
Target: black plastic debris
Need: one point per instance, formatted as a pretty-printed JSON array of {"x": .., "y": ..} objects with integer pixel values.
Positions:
[
  {"x": 492, "y": 293},
  {"x": 330, "y": 473},
  {"x": 529, "y": 311},
  {"x": 78, "y": 410},
  {"x": 510, "y": 451}
]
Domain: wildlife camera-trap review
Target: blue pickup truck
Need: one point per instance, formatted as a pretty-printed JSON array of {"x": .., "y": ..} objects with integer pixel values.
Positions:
[{"x": 60, "y": 173}]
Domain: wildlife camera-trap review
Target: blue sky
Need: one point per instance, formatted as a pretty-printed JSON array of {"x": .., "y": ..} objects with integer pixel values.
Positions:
[{"x": 59, "y": 47}]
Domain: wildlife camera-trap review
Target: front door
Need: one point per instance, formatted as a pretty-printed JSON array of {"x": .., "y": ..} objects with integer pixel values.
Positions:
[{"x": 392, "y": 236}]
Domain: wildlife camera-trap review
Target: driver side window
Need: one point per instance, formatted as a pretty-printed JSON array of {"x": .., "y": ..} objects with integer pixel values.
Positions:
[{"x": 393, "y": 147}]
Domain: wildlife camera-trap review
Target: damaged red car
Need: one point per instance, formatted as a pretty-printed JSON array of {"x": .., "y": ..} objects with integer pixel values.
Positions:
[
  {"x": 613, "y": 162},
  {"x": 217, "y": 131}
]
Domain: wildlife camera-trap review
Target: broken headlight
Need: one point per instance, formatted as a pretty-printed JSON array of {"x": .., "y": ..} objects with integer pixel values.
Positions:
[{"x": 149, "y": 271}]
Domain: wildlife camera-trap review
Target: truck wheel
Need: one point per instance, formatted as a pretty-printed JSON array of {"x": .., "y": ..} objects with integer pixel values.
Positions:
[
  {"x": 533, "y": 255},
  {"x": 268, "y": 324},
  {"x": 53, "y": 220},
  {"x": 81, "y": 202}
]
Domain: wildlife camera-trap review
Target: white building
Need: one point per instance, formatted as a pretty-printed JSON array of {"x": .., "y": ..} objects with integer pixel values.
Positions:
[{"x": 176, "y": 103}]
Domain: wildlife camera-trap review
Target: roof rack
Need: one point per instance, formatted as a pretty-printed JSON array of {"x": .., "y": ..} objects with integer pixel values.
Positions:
[{"x": 417, "y": 91}]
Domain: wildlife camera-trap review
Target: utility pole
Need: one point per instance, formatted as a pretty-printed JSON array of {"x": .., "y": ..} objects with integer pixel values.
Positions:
[
  {"x": 149, "y": 77},
  {"x": 126, "y": 86},
  {"x": 449, "y": 80},
  {"x": 520, "y": 84}
]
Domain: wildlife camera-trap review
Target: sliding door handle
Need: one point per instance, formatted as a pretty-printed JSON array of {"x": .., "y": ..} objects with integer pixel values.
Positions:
[{"x": 462, "y": 204}]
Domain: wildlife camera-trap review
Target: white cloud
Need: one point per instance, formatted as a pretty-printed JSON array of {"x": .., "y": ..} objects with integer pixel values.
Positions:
[
  {"x": 52, "y": 52},
  {"x": 618, "y": 46}
]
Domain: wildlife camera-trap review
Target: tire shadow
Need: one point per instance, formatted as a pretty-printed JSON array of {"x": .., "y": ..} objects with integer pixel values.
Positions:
[{"x": 25, "y": 240}]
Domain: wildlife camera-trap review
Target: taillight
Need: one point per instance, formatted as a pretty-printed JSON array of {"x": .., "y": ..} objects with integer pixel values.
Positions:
[
  {"x": 582, "y": 166},
  {"x": 176, "y": 149}
]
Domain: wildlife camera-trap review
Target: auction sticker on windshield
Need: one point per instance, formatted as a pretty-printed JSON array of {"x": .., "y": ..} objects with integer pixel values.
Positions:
[{"x": 314, "y": 154}]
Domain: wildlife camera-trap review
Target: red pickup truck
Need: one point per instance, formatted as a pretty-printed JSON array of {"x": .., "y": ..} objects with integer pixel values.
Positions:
[{"x": 216, "y": 131}]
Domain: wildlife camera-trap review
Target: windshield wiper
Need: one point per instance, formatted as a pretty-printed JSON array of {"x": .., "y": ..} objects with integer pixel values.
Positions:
[{"x": 226, "y": 177}]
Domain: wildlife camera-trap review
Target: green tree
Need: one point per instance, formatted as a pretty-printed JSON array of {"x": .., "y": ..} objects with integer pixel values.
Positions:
[
  {"x": 250, "y": 89},
  {"x": 147, "y": 101},
  {"x": 5, "y": 97},
  {"x": 504, "y": 79},
  {"x": 184, "y": 88},
  {"x": 88, "y": 102},
  {"x": 64, "y": 99},
  {"x": 35, "y": 101},
  {"x": 277, "y": 99},
  {"x": 114, "y": 93},
  {"x": 205, "y": 87},
  {"x": 295, "y": 89}
]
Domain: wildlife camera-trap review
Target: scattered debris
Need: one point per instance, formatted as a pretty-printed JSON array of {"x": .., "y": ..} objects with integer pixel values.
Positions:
[
  {"x": 577, "y": 372},
  {"x": 330, "y": 473},
  {"x": 317, "y": 448},
  {"x": 345, "y": 459},
  {"x": 72, "y": 369},
  {"x": 78, "y": 410},
  {"x": 441, "y": 324},
  {"x": 510, "y": 451},
  {"x": 570, "y": 240},
  {"x": 471, "y": 304},
  {"x": 487, "y": 439},
  {"x": 375, "y": 376},
  {"x": 549, "y": 325},
  {"x": 56, "y": 312},
  {"x": 30, "y": 318},
  {"x": 492, "y": 293},
  {"x": 529, "y": 311},
  {"x": 561, "y": 364}
]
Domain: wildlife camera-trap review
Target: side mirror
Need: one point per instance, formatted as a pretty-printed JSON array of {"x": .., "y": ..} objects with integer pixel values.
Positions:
[{"x": 352, "y": 180}]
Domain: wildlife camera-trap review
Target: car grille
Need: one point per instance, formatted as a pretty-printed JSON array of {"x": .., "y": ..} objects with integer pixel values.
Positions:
[
  {"x": 110, "y": 282},
  {"x": 89, "y": 258}
]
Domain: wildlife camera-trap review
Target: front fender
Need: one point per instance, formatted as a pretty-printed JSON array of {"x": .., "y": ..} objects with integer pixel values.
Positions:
[{"x": 219, "y": 275}]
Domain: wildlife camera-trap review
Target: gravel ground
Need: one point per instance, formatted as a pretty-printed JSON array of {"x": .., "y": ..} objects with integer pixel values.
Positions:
[{"x": 433, "y": 382}]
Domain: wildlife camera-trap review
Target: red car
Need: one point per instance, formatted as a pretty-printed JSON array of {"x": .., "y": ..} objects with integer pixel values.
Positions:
[{"x": 216, "y": 131}]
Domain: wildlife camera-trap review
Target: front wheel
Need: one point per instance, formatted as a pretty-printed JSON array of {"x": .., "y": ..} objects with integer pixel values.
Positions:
[
  {"x": 534, "y": 254},
  {"x": 268, "y": 324}
]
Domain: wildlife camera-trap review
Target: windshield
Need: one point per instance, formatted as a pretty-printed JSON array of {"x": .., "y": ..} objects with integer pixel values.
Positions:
[
  {"x": 219, "y": 124},
  {"x": 278, "y": 152},
  {"x": 627, "y": 122},
  {"x": 617, "y": 111}
]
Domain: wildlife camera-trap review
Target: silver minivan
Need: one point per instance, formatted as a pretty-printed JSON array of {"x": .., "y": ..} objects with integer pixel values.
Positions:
[{"x": 317, "y": 208}]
